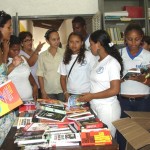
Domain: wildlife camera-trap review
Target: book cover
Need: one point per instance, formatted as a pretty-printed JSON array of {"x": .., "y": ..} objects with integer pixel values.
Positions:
[
  {"x": 51, "y": 101},
  {"x": 23, "y": 121},
  {"x": 90, "y": 123},
  {"x": 50, "y": 115},
  {"x": 78, "y": 109},
  {"x": 52, "y": 109},
  {"x": 68, "y": 137},
  {"x": 84, "y": 116},
  {"x": 9, "y": 97},
  {"x": 131, "y": 73},
  {"x": 102, "y": 137},
  {"x": 72, "y": 101},
  {"x": 24, "y": 108}
]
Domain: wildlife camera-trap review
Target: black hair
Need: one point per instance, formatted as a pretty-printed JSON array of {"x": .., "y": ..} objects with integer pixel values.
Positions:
[
  {"x": 133, "y": 26},
  {"x": 68, "y": 51},
  {"x": 80, "y": 20},
  {"x": 24, "y": 34},
  {"x": 48, "y": 32},
  {"x": 146, "y": 39},
  {"x": 103, "y": 37},
  {"x": 4, "y": 17},
  {"x": 14, "y": 40}
]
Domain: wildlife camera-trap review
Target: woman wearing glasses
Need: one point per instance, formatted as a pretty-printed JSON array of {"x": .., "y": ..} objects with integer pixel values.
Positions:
[{"x": 26, "y": 39}]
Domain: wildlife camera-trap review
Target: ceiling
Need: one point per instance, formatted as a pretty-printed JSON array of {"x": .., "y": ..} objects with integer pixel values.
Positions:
[{"x": 48, "y": 24}]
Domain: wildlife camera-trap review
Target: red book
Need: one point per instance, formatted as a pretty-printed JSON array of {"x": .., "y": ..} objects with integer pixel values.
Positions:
[
  {"x": 90, "y": 123},
  {"x": 9, "y": 97},
  {"x": 24, "y": 108},
  {"x": 102, "y": 137}
]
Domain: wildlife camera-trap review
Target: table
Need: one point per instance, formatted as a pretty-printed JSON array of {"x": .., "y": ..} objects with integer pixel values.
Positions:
[{"x": 9, "y": 144}]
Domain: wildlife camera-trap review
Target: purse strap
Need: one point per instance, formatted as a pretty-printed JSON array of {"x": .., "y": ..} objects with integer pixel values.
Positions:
[{"x": 72, "y": 66}]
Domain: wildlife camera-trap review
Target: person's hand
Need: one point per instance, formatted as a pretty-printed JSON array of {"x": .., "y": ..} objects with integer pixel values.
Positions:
[
  {"x": 17, "y": 60},
  {"x": 35, "y": 92},
  {"x": 39, "y": 47},
  {"x": 44, "y": 95},
  {"x": 86, "y": 97},
  {"x": 67, "y": 95},
  {"x": 138, "y": 78}
]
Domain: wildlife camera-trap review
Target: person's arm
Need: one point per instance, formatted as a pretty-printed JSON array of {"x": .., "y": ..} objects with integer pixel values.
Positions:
[
  {"x": 63, "y": 82},
  {"x": 32, "y": 60},
  {"x": 34, "y": 87},
  {"x": 112, "y": 91},
  {"x": 17, "y": 60},
  {"x": 41, "y": 83}
]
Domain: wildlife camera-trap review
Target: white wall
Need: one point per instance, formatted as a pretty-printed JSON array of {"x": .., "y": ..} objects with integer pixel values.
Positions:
[{"x": 49, "y": 7}]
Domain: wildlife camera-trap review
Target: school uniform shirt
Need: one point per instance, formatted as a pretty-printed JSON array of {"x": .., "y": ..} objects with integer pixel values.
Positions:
[
  {"x": 140, "y": 60},
  {"x": 47, "y": 68},
  {"x": 79, "y": 78},
  {"x": 33, "y": 68},
  {"x": 102, "y": 73},
  {"x": 20, "y": 78}
]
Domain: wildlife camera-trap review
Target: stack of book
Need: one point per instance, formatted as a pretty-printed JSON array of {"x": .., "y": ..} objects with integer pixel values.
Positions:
[
  {"x": 50, "y": 109},
  {"x": 43, "y": 135}
]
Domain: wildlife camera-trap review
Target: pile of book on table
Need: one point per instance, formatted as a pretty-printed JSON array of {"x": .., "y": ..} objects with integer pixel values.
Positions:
[{"x": 55, "y": 123}]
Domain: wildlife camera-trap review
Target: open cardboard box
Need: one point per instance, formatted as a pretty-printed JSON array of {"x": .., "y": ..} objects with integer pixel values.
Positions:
[{"x": 135, "y": 129}]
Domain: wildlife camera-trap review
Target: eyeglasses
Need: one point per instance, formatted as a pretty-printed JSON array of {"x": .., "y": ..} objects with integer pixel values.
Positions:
[{"x": 28, "y": 40}]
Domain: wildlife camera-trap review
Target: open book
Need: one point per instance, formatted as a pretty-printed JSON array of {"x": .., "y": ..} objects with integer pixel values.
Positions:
[{"x": 131, "y": 73}]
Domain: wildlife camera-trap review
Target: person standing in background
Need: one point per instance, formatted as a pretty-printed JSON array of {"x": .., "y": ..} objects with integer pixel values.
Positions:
[
  {"x": 75, "y": 67},
  {"x": 135, "y": 91},
  {"x": 31, "y": 55},
  {"x": 104, "y": 80},
  {"x": 7, "y": 120},
  {"x": 48, "y": 63},
  {"x": 146, "y": 43},
  {"x": 79, "y": 25}
]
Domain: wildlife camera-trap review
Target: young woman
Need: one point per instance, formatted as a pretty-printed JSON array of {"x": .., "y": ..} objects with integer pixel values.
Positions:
[
  {"x": 135, "y": 92},
  {"x": 7, "y": 120},
  {"x": 31, "y": 56},
  {"x": 48, "y": 63},
  {"x": 20, "y": 73},
  {"x": 104, "y": 79},
  {"x": 76, "y": 80}
]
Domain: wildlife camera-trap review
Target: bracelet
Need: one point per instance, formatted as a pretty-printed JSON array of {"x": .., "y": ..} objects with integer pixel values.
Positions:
[
  {"x": 145, "y": 81},
  {"x": 65, "y": 92}
]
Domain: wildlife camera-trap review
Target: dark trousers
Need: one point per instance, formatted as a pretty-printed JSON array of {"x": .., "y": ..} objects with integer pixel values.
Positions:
[
  {"x": 140, "y": 104},
  {"x": 59, "y": 96}
]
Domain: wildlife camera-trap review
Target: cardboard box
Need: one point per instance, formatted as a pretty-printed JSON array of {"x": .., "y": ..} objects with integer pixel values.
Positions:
[
  {"x": 134, "y": 11},
  {"x": 135, "y": 129}
]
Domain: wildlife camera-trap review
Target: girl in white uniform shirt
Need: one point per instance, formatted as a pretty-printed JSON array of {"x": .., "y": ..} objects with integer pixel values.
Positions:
[
  {"x": 104, "y": 79},
  {"x": 135, "y": 92},
  {"x": 78, "y": 82}
]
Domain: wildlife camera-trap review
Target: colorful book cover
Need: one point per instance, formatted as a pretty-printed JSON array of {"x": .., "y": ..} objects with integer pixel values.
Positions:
[
  {"x": 72, "y": 101},
  {"x": 102, "y": 137},
  {"x": 24, "y": 108},
  {"x": 90, "y": 123},
  {"x": 9, "y": 97}
]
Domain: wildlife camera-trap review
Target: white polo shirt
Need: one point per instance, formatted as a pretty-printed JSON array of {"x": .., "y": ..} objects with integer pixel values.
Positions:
[
  {"x": 102, "y": 73},
  {"x": 141, "y": 59},
  {"x": 79, "y": 79}
]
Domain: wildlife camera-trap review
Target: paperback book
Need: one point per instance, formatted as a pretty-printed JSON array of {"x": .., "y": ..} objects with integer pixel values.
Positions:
[
  {"x": 9, "y": 97},
  {"x": 50, "y": 115},
  {"x": 51, "y": 102},
  {"x": 90, "y": 123},
  {"x": 102, "y": 137},
  {"x": 131, "y": 73},
  {"x": 73, "y": 102}
]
